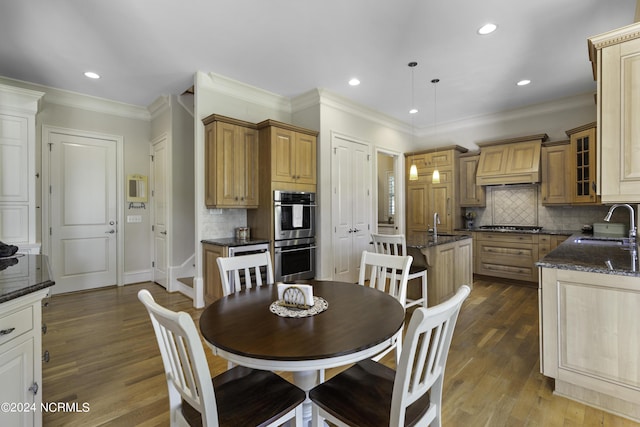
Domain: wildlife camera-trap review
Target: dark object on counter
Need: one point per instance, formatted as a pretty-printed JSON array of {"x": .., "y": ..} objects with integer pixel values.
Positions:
[
  {"x": 587, "y": 228},
  {"x": 7, "y": 262},
  {"x": 7, "y": 250}
]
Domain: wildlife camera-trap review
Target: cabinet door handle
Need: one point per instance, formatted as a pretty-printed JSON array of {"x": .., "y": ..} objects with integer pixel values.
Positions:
[
  {"x": 45, "y": 356},
  {"x": 7, "y": 331}
]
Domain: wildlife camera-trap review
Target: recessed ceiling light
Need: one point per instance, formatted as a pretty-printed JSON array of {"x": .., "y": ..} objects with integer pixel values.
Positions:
[
  {"x": 413, "y": 111},
  {"x": 354, "y": 82},
  {"x": 92, "y": 75},
  {"x": 487, "y": 29},
  {"x": 523, "y": 82}
]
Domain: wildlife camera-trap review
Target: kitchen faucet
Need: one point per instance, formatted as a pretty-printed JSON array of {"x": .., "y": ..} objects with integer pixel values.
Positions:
[
  {"x": 632, "y": 226},
  {"x": 436, "y": 221}
]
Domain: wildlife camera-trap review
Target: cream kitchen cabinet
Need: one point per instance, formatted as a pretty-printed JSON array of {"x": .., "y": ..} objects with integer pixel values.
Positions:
[
  {"x": 615, "y": 57},
  {"x": 589, "y": 337},
  {"x": 507, "y": 255},
  {"x": 584, "y": 164},
  {"x": 424, "y": 198},
  {"x": 18, "y": 108},
  {"x": 556, "y": 181},
  {"x": 471, "y": 194},
  {"x": 449, "y": 266},
  {"x": 25, "y": 284},
  {"x": 231, "y": 163},
  {"x": 511, "y": 161},
  {"x": 293, "y": 152}
]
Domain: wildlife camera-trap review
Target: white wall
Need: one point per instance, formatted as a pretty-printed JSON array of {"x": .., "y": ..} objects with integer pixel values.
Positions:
[{"x": 75, "y": 111}]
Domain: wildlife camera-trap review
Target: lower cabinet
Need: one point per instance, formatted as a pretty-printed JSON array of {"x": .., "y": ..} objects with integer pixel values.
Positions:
[
  {"x": 21, "y": 359},
  {"x": 449, "y": 266},
  {"x": 211, "y": 273},
  {"x": 507, "y": 255},
  {"x": 589, "y": 338}
]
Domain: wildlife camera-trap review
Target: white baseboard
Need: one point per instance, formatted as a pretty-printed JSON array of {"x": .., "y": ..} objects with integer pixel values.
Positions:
[{"x": 138, "y": 276}]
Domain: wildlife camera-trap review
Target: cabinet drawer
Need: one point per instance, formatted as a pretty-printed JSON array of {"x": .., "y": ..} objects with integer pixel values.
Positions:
[
  {"x": 508, "y": 237},
  {"x": 15, "y": 324}
]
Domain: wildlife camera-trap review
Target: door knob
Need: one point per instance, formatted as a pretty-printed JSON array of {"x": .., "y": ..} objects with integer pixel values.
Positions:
[
  {"x": 110, "y": 232},
  {"x": 163, "y": 232}
]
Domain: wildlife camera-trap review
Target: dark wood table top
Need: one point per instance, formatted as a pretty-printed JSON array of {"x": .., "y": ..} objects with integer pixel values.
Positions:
[{"x": 357, "y": 320}]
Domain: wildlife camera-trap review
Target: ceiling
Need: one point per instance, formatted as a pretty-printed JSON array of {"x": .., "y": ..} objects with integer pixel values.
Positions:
[{"x": 147, "y": 48}]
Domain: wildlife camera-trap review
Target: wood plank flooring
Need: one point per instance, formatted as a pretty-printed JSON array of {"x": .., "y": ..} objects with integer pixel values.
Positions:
[{"x": 104, "y": 353}]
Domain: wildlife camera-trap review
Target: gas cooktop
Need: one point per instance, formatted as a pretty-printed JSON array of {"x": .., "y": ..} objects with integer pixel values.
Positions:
[{"x": 529, "y": 228}]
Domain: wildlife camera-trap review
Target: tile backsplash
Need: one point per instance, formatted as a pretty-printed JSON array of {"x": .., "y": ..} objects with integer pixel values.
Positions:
[{"x": 520, "y": 205}]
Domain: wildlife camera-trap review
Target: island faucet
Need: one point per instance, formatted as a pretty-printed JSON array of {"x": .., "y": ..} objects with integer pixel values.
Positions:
[
  {"x": 632, "y": 225},
  {"x": 436, "y": 221}
]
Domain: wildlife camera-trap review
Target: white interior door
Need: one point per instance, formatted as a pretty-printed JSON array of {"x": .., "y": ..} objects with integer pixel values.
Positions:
[
  {"x": 351, "y": 183},
  {"x": 159, "y": 200},
  {"x": 83, "y": 211}
]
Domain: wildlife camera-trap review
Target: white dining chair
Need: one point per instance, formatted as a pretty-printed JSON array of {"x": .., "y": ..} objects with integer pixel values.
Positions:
[
  {"x": 236, "y": 397},
  {"x": 396, "y": 244},
  {"x": 371, "y": 394},
  {"x": 245, "y": 271},
  {"x": 387, "y": 273}
]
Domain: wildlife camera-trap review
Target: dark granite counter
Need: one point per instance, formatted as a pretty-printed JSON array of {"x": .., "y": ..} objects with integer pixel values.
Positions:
[
  {"x": 606, "y": 259},
  {"x": 543, "y": 231},
  {"x": 23, "y": 274},
  {"x": 442, "y": 239},
  {"x": 232, "y": 241}
]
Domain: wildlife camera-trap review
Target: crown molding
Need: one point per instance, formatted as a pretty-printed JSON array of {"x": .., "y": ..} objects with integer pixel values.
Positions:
[
  {"x": 332, "y": 100},
  {"x": 159, "y": 106},
  {"x": 245, "y": 92},
  {"x": 85, "y": 102},
  {"x": 552, "y": 107},
  {"x": 20, "y": 99}
]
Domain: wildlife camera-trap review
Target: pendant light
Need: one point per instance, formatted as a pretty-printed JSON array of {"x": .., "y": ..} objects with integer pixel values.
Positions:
[
  {"x": 413, "y": 169},
  {"x": 435, "y": 179}
]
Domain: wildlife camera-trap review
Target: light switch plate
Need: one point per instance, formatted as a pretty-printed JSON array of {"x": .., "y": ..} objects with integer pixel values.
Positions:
[{"x": 134, "y": 218}]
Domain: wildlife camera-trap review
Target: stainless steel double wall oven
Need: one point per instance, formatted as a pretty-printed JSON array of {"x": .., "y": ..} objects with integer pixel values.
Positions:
[{"x": 294, "y": 235}]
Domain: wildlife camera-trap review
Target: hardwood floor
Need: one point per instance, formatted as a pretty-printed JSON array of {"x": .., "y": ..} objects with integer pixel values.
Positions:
[{"x": 104, "y": 353}]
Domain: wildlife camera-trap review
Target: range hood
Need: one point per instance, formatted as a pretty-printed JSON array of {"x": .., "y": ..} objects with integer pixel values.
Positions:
[{"x": 510, "y": 161}]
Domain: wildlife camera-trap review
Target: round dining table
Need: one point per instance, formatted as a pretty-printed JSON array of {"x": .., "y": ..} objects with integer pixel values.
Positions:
[{"x": 358, "y": 323}]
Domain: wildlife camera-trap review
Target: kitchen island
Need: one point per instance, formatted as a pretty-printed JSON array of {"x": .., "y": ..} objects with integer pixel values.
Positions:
[
  {"x": 589, "y": 301},
  {"x": 24, "y": 282},
  {"x": 449, "y": 262}
]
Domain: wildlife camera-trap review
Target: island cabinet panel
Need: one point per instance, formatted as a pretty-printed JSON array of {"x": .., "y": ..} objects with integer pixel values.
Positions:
[
  {"x": 507, "y": 255},
  {"x": 449, "y": 266},
  {"x": 590, "y": 335}
]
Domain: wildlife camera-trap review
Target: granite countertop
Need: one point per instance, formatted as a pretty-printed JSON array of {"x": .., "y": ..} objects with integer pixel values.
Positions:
[
  {"x": 232, "y": 241},
  {"x": 23, "y": 274},
  {"x": 605, "y": 259},
  {"x": 442, "y": 239},
  {"x": 543, "y": 231}
]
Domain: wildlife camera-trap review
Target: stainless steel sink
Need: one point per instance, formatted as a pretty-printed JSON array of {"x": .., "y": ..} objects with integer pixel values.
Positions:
[{"x": 603, "y": 241}]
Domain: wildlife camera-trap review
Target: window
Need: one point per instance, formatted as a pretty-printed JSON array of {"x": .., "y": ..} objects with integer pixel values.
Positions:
[{"x": 391, "y": 191}]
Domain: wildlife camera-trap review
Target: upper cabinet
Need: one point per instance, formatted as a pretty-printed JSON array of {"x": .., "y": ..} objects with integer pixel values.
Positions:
[
  {"x": 293, "y": 152},
  {"x": 18, "y": 108},
  {"x": 471, "y": 194},
  {"x": 512, "y": 161},
  {"x": 615, "y": 57},
  {"x": 556, "y": 176},
  {"x": 231, "y": 163},
  {"x": 425, "y": 198},
  {"x": 584, "y": 164},
  {"x": 569, "y": 168}
]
